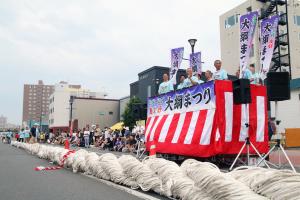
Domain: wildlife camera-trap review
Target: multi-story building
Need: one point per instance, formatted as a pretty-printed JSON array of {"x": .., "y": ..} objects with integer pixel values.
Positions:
[
  {"x": 289, "y": 111},
  {"x": 36, "y": 103},
  {"x": 229, "y": 36},
  {"x": 3, "y": 122},
  {"x": 59, "y": 103}
]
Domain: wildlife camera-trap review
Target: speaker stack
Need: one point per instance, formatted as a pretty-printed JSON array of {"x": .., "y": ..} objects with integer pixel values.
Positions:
[
  {"x": 241, "y": 91},
  {"x": 278, "y": 86}
]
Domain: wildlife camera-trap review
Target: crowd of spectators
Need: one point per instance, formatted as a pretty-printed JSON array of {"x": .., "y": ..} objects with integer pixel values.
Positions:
[
  {"x": 106, "y": 139},
  {"x": 122, "y": 140}
]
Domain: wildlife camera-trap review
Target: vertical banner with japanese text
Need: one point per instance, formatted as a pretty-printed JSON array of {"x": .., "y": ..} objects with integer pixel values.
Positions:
[
  {"x": 195, "y": 63},
  {"x": 247, "y": 30},
  {"x": 268, "y": 33},
  {"x": 176, "y": 59}
]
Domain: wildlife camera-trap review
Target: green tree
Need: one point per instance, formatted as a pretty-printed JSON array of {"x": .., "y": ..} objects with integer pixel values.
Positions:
[{"x": 128, "y": 118}]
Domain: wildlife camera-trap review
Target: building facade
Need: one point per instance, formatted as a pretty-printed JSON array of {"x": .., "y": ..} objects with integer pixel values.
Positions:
[
  {"x": 3, "y": 122},
  {"x": 123, "y": 103},
  {"x": 288, "y": 111},
  {"x": 229, "y": 36},
  {"x": 36, "y": 103},
  {"x": 95, "y": 111},
  {"x": 59, "y": 103},
  {"x": 149, "y": 80}
]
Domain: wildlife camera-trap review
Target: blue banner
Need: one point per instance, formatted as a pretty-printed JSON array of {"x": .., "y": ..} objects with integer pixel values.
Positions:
[
  {"x": 195, "y": 63},
  {"x": 176, "y": 59},
  {"x": 199, "y": 97}
]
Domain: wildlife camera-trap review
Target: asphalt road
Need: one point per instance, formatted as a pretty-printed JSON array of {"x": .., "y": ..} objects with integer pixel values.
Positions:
[{"x": 19, "y": 181}]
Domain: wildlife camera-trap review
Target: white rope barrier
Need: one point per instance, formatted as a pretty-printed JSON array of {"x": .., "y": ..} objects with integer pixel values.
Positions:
[
  {"x": 191, "y": 181},
  {"x": 272, "y": 183}
]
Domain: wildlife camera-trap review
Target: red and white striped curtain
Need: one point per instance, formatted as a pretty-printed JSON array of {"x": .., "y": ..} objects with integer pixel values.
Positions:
[{"x": 220, "y": 130}]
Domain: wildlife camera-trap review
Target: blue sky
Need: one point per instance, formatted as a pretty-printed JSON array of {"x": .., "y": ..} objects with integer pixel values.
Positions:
[{"x": 100, "y": 44}]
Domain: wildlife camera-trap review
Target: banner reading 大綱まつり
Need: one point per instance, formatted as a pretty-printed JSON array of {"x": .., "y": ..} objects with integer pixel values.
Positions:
[
  {"x": 195, "y": 98},
  {"x": 247, "y": 29}
]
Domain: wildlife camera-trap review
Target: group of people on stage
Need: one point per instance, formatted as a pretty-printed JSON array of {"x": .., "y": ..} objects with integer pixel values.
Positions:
[
  {"x": 250, "y": 74},
  {"x": 195, "y": 79}
]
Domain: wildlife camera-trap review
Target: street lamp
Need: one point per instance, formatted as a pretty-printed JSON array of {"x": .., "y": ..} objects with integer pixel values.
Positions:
[
  {"x": 192, "y": 43},
  {"x": 71, "y": 101}
]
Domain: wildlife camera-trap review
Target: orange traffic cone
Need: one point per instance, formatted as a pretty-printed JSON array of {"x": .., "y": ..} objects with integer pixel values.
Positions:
[
  {"x": 67, "y": 144},
  {"x": 152, "y": 152}
]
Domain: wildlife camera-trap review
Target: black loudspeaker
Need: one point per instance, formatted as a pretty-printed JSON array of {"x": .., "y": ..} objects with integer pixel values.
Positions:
[
  {"x": 278, "y": 86},
  {"x": 241, "y": 91}
]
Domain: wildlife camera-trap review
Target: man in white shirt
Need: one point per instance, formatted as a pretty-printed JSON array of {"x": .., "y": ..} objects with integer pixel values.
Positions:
[
  {"x": 166, "y": 86},
  {"x": 181, "y": 84},
  {"x": 220, "y": 74},
  {"x": 190, "y": 80},
  {"x": 255, "y": 76},
  {"x": 208, "y": 75},
  {"x": 199, "y": 79}
]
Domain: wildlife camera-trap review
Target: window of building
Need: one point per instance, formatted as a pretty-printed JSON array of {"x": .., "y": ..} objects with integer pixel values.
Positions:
[
  {"x": 297, "y": 20},
  {"x": 231, "y": 21},
  {"x": 149, "y": 91},
  {"x": 144, "y": 76},
  {"x": 111, "y": 113},
  {"x": 283, "y": 48},
  {"x": 249, "y": 9}
]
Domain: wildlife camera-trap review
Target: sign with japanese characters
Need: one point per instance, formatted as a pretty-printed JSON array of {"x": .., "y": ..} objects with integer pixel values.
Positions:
[
  {"x": 268, "y": 33},
  {"x": 195, "y": 63},
  {"x": 176, "y": 59},
  {"x": 247, "y": 29},
  {"x": 195, "y": 98}
]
